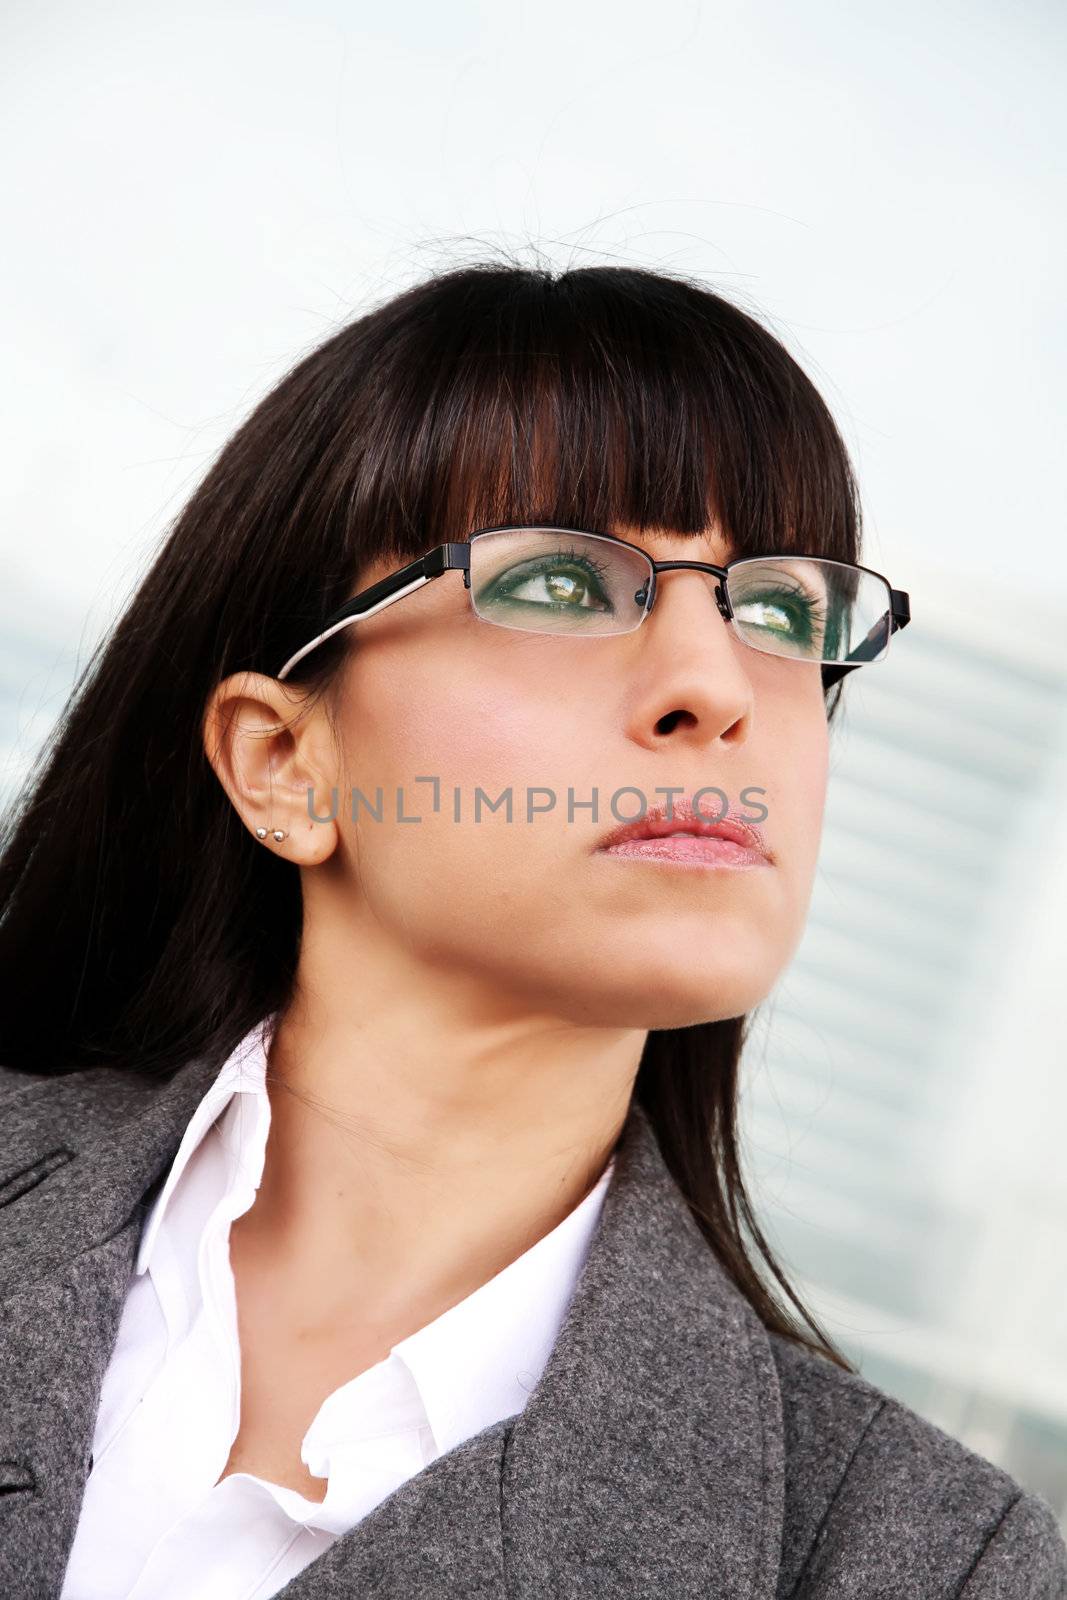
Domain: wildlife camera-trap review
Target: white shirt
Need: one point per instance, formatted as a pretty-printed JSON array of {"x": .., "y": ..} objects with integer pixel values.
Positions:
[{"x": 155, "y": 1524}]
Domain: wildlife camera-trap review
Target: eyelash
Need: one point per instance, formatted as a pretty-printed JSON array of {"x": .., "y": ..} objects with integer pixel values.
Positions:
[{"x": 546, "y": 562}]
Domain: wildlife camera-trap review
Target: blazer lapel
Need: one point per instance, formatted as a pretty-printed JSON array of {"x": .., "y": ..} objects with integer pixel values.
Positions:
[{"x": 648, "y": 1460}]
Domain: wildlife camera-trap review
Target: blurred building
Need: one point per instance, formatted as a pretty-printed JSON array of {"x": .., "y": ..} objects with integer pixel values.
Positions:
[{"x": 906, "y": 1083}]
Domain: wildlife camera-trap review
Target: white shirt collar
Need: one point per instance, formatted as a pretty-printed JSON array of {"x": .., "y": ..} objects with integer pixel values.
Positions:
[{"x": 244, "y": 1072}]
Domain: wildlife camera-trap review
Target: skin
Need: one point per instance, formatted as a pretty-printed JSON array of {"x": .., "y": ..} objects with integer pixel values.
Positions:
[{"x": 473, "y": 998}]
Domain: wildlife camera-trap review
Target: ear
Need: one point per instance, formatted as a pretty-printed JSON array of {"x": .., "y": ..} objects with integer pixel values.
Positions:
[{"x": 267, "y": 759}]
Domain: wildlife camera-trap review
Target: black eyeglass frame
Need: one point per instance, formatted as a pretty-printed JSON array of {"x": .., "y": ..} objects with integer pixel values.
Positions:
[{"x": 455, "y": 557}]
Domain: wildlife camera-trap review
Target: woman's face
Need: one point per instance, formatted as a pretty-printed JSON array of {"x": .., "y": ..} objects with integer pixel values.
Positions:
[{"x": 532, "y": 907}]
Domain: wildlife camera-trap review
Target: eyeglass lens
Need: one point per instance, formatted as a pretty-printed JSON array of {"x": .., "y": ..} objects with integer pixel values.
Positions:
[{"x": 550, "y": 580}]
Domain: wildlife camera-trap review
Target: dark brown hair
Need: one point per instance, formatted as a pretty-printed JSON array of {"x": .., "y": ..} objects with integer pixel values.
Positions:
[{"x": 140, "y": 923}]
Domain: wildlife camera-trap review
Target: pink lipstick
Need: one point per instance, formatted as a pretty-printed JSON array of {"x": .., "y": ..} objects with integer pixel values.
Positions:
[{"x": 687, "y": 839}]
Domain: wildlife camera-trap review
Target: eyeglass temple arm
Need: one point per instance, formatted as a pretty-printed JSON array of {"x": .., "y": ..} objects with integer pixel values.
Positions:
[
  {"x": 380, "y": 595},
  {"x": 868, "y": 648}
]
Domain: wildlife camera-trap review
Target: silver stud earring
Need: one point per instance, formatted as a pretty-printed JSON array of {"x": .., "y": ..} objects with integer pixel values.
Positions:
[
  {"x": 261, "y": 833},
  {"x": 279, "y": 835}
]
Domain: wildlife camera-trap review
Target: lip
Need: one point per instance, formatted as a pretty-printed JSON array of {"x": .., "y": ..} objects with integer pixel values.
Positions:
[{"x": 731, "y": 841}]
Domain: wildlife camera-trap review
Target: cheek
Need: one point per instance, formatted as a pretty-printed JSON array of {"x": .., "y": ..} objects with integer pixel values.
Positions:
[
  {"x": 808, "y": 775},
  {"x": 455, "y": 885},
  {"x": 796, "y": 819},
  {"x": 460, "y": 732},
  {"x": 467, "y": 729},
  {"x": 793, "y": 738}
]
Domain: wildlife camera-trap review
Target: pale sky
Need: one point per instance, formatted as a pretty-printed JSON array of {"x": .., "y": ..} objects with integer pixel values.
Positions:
[{"x": 193, "y": 200}]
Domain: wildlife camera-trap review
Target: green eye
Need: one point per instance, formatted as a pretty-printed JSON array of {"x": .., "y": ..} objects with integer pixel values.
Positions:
[
  {"x": 789, "y": 616},
  {"x": 561, "y": 582}
]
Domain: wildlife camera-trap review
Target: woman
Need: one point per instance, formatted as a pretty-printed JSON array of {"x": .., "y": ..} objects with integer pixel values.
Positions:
[{"x": 373, "y": 1219}]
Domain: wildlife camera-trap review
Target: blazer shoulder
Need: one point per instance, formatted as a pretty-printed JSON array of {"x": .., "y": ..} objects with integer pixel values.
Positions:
[
  {"x": 872, "y": 1486},
  {"x": 13, "y": 1080}
]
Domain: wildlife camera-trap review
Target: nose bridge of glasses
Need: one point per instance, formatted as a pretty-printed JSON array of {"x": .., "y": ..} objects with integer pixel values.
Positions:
[{"x": 707, "y": 567}]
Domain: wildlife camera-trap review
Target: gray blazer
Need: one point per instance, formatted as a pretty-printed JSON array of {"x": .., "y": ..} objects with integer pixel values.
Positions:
[{"x": 672, "y": 1449}]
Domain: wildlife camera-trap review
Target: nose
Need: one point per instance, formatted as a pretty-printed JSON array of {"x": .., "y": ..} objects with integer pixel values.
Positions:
[{"x": 690, "y": 668}]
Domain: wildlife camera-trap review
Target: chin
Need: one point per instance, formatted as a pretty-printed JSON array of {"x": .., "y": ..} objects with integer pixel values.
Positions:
[
  {"x": 687, "y": 1012},
  {"x": 707, "y": 997},
  {"x": 703, "y": 977}
]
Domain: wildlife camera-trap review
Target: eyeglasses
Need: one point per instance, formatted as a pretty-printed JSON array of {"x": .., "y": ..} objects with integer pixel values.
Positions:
[{"x": 591, "y": 585}]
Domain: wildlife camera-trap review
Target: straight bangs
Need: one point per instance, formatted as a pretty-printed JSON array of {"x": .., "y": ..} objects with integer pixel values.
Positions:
[
  {"x": 596, "y": 404},
  {"x": 607, "y": 399}
]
